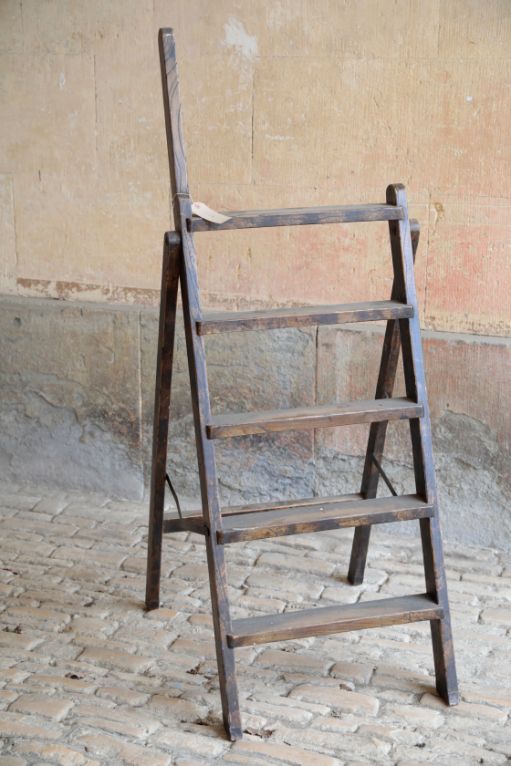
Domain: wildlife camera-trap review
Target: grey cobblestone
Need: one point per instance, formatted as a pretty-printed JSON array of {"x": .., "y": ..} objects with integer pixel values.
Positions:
[{"x": 88, "y": 678}]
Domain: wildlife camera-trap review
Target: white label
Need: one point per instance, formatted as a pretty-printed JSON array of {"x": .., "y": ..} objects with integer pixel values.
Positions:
[{"x": 203, "y": 211}]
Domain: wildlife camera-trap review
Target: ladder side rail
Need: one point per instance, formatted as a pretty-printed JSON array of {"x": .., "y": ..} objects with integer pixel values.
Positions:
[
  {"x": 173, "y": 123},
  {"x": 209, "y": 491},
  {"x": 181, "y": 203},
  {"x": 420, "y": 430},
  {"x": 378, "y": 431}
]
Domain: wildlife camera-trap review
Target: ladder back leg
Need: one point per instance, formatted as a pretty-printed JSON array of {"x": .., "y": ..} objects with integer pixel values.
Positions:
[
  {"x": 378, "y": 431},
  {"x": 420, "y": 431},
  {"x": 166, "y": 333}
]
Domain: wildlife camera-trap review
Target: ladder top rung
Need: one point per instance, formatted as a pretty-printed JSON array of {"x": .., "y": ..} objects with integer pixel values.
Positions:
[
  {"x": 302, "y": 316},
  {"x": 323, "y": 621},
  {"x": 305, "y": 418},
  {"x": 295, "y": 216}
]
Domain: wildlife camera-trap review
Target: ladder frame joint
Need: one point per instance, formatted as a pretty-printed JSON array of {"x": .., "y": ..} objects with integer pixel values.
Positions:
[{"x": 173, "y": 239}]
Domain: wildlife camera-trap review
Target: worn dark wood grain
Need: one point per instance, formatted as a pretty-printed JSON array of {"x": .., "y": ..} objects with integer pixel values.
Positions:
[
  {"x": 321, "y": 517},
  {"x": 304, "y": 418},
  {"x": 173, "y": 123},
  {"x": 165, "y": 356},
  {"x": 323, "y": 621},
  {"x": 422, "y": 450},
  {"x": 280, "y": 505},
  {"x": 209, "y": 491},
  {"x": 199, "y": 385},
  {"x": 193, "y": 521},
  {"x": 315, "y": 516},
  {"x": 378, "y": 431},
  {"x": 301, "y": 316},
  {"x": 255, "y": 219}
]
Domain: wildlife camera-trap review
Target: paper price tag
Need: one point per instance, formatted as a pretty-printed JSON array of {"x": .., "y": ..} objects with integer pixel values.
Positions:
[{"x": 205, "y": 212}]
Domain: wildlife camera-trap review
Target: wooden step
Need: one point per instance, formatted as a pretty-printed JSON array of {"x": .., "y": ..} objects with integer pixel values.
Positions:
[
  {"x": 254, "y": 522},
  {"x": 302, "y": 316},
  {"x": 194, "y": 521},
  {"x": 321, "y": 516},
  {"x": 303, "y": 418},
  {"x": 296, "y": 216},
  {"x": 333, "y": 619}
]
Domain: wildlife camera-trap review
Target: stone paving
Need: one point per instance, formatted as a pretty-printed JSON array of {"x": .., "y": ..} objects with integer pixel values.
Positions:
[{"x": 89, "y": 678}]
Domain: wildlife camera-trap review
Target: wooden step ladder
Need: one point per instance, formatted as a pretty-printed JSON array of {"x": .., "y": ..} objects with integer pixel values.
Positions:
[{"x": 236, "y": 524}]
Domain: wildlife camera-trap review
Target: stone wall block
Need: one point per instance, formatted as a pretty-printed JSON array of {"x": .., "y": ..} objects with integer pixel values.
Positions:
[{"x": 70, "y": 396}]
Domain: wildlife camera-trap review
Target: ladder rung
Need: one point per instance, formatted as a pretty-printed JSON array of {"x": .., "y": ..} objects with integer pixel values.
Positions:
[
  {"x": 333, "y": 619},
  {"x": 295, "y": 216},
  {"x": 271, "y": 319},
  {"x": 194, "y": 521},
  {"x": 254, "y": 522},
  {"x": 321, "y": 516},
  {"x": 303, "y": 418}
]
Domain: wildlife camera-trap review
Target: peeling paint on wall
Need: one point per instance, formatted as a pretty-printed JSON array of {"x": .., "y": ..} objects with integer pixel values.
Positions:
[{"x": 236, "y": 36}]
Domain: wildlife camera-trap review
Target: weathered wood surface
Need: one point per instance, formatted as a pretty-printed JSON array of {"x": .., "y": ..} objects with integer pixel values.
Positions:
[
  {"x": 173, "y": 123},
  {"x": 378, "y": 431},
  {"x": 321, "y": 517},
  {"x": 193, "y": 521},
  {"x": 301, "y": 316},
  {"x": 199, "y": 387},
  {"x": 254, "y": 219},
  {"x": 314, "y": 516},
  {"x": 420, "y": 431},
  {"x": 323, "y": 621},
  {"x": 165, "y": 356},
  {"x": 303, "y": 418},
  {"x": 285, "y": 504}
]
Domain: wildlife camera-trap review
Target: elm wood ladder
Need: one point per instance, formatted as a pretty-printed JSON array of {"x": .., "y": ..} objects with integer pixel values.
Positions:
[{"x": 221, "y": 526}]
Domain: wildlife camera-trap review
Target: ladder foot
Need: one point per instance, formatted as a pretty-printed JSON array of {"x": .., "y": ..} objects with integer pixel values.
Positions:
[
  {"x": 234, "y": 733},
  {"x": 230, "y": 703},
  {"x": 450, "y": 696},
  {"x": 150, "y": 605}
]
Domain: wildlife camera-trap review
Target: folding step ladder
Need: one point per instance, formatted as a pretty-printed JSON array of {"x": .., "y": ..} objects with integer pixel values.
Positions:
[{"x": 236, "y": 524}]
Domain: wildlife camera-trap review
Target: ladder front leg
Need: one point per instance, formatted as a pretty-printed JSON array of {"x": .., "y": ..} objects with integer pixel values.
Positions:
[
  {"x": 224, "y": 654},
  {"x": 166, "y": 334},
  {"x": 441, "y": 632},
  {"x": 422, "y": 451},
  {"x": 209, "y": 490}
]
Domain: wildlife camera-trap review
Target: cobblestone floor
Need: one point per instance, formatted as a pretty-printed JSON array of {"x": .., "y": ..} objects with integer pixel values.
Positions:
[{"x": 89, "y": 678}]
